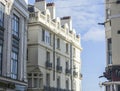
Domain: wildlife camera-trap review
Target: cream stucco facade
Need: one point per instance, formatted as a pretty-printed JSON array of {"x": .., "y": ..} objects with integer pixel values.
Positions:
[
  {"x": 112, "y": 31},
  {"x": 54, "y": 62}
]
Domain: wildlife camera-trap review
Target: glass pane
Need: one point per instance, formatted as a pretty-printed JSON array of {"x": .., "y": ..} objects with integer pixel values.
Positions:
[
  {"x": 15, "y": 25},
  {"x": 40, "y": 83},
  {"x": 48, "y": 79},
  {"x": 29, "y": 82},
  {"x": 14, "y": 65},
  {"x": 35, "y": 82}
]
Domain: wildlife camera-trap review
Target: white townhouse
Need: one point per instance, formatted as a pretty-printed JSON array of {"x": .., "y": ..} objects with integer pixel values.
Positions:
[{"x": 54, "y": 62}]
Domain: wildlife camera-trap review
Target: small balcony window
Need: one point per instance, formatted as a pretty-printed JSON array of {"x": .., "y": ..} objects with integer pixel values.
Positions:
[
  {"x": 48, "y": 56},
  {"x": 58, "y": 43},
  {"x": 47, "y": 79},
  {"x": 109, "y": 53},
  {"x": 67, "y": 47}
]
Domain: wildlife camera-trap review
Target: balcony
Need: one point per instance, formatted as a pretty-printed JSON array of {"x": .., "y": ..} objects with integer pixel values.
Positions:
[
  {"x": 59, "y": 68},
  {"x": 67, "y": 71},
  {"x": 48, "y": 65},
  {"x": 112, "y": 73},
  {"x": 75, "y": 74}
]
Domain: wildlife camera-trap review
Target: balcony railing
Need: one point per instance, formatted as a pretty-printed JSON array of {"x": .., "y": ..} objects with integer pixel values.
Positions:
[
  {"x": 75, "y": 74},
  {"x": 67, "y": 71},
  {"x": 48, "y": 65},
  {"x": 59, "y": 68}
]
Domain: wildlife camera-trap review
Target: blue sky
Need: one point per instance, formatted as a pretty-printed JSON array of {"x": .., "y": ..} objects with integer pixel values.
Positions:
[{"x": 85, "y": 16}]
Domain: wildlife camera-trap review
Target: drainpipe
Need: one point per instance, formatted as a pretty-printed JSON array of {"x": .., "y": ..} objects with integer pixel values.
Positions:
[
  {"x": 71, "y": 66},
  {"x": 54, "y": 57}
]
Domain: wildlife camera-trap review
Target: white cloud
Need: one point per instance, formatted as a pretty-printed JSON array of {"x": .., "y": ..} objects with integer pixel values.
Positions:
[
  {"x": 85, "y": 16},
  {"x": 94, "y": 34}
]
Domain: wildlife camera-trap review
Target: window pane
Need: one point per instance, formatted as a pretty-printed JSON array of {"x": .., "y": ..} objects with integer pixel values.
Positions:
[
  {"x": 15, "y": 25},
  {"x": 66, "y": 47},
  {"x": 48, "y": 79},
  {"x": 67, "y": 65},
  {"x": 58, "y": 43},
  {"x": 14, "y": 65},
  {"x": 47, "y": 37},
  {"x": 40, "y": 83},
  {"x": 43, "y": 35},
  {"x": 58, "y": 82},
  {"x": 35, "y": 82},
  {"x": 67, "y": 84},
  {"x": 58, "y": 61},
  {"x": 48, "y": 56},
  {"x": 109, "y": 44},
  {"x": 29, "y": 82}
]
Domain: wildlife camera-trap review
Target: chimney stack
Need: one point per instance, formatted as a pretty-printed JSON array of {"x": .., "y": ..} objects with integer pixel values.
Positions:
[
  {"x": 67, "y": 19},
  {"x": 40, "y": 4},
  {"x": 51, "y": 8}
]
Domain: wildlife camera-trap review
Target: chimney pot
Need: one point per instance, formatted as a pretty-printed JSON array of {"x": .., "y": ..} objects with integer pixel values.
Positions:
[
  {"x": 39, "y": 0},
  {"x": 50, "y": 4},
  {"x": 66, "y": 17}
]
